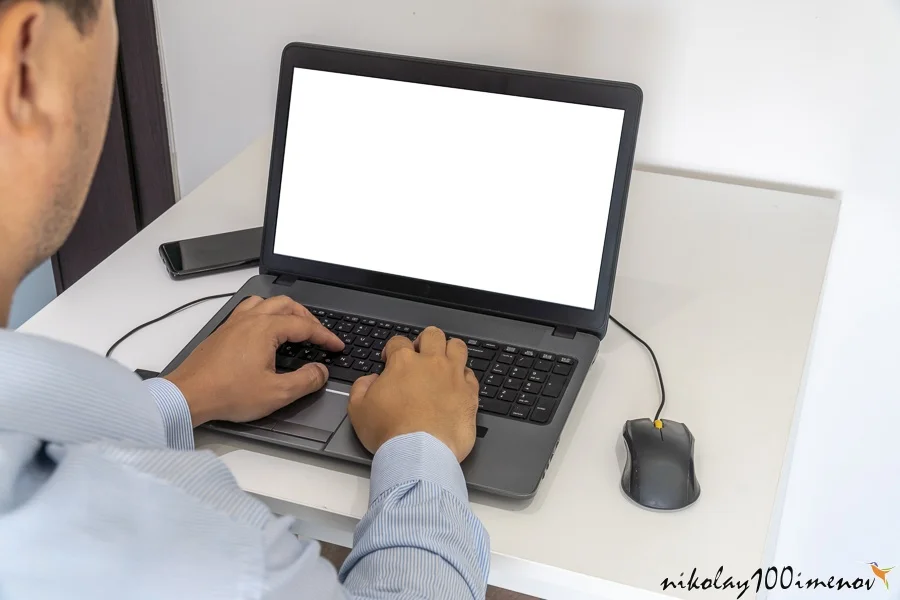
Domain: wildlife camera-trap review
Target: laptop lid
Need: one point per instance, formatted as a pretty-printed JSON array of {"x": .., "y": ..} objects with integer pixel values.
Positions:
[{"x": 487, "y": 189}]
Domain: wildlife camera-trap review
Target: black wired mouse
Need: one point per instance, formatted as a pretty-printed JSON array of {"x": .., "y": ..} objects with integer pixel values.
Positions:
[{"x": 659, "y": 469}]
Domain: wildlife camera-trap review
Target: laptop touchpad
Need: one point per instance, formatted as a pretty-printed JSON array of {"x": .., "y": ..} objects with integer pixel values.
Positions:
[{"x": 315, "y": 417}]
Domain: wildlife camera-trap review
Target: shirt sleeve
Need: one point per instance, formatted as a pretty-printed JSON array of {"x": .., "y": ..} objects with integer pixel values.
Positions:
[
  {"x": 420, "y": 538},
  {"x": 175, "y": 413}
]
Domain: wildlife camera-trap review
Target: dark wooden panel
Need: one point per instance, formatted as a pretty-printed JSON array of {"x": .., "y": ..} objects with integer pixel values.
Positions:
[
  {"x": 108, "y": 219},
  {"x": 145, "y": 110}
]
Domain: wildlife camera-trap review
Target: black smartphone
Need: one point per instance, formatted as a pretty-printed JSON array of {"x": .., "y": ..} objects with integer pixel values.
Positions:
[{"x": 212, "y": 254}]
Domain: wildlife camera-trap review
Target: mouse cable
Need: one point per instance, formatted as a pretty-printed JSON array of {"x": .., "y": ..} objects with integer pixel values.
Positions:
[
  {"x": 662, "y": 387},
  {"x": 165, "y": 316}
]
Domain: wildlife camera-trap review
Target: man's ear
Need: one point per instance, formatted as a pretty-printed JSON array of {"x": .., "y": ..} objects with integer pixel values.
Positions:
[{"x": 21, "y": 28}]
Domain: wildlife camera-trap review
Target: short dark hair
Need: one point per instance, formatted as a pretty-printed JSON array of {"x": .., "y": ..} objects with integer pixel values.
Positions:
[{"x": 81, "y": 12}]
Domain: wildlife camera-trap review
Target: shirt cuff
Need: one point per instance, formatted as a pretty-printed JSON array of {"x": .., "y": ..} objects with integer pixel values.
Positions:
[
  {"x": 176, "y": 414},
  {"x": 416, "y": 457}
]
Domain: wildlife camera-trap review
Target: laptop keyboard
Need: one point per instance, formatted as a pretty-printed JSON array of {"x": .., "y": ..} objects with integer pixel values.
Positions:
[{"x": 517, "y": 383}]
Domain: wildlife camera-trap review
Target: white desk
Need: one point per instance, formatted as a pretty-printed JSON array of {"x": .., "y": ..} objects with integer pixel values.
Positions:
[{"x": 724, "y": 282}]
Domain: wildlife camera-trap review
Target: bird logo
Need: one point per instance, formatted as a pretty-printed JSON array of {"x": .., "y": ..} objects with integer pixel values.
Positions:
[{"x": 881, "y": 573}]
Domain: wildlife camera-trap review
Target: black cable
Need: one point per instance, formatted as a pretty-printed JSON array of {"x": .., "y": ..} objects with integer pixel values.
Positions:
[
  {"x": 662, "y": 387},
  {"x": 165, "y": 316}
]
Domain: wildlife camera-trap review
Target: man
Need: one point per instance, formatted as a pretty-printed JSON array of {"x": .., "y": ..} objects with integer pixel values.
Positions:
[{"x": 101, "y": 495}]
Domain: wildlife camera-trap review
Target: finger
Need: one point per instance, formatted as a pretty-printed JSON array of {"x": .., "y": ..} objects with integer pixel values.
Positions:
[
  {"x": 282, "y": 305},
  {"x": 287, "y": 328},
  {"x": 306, "y": 380},
  {"x": 361, "y": 387},
  {"x": 432, "y": 341},
  {"x": 248, "y": 303},
  {"x": 457, "y": 352},
  {"x": 394, "y": 345}
]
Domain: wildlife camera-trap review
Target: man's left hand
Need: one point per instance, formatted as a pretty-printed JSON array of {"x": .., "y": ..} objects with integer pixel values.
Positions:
[{"x": 231, "y": 375}]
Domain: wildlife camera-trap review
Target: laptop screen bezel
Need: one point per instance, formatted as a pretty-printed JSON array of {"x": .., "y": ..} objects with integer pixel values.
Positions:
[{"x": 622, "y": 96}]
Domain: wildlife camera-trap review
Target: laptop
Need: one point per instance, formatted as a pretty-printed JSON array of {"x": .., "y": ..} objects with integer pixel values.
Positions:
[{"x": 406, "y": 192}]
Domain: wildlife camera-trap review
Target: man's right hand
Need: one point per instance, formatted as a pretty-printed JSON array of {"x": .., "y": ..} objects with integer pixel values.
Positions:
[{"x": 425, "y": 387}]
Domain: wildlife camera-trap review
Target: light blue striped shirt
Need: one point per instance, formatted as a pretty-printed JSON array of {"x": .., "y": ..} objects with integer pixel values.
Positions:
[{"x": 102, "y": 496}]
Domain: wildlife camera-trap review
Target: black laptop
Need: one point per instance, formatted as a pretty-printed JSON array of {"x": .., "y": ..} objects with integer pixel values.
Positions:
[{"x": 489, "y": 202}]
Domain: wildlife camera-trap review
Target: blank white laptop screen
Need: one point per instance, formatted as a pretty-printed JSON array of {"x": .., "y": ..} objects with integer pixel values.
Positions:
[{"x": 484, "y": 191}]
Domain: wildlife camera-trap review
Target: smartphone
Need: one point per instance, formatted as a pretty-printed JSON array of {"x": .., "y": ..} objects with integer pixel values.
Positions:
[{"x": 212, "y": 254}]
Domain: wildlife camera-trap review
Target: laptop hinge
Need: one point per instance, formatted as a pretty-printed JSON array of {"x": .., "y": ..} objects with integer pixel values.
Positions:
[
  {"x": 565, "y": 332},
  {"x": 285, "y": 280}
]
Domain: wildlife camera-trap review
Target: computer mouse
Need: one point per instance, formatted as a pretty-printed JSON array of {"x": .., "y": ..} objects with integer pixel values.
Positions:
[{"x": 659, "y": 468}]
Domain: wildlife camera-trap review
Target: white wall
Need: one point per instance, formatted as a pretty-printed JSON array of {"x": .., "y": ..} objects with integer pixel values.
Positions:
[{"x": 797, "y": 92}]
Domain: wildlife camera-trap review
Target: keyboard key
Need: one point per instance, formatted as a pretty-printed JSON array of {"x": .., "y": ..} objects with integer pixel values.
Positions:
[
  {"x": 362, "y": 353},
  {"x": 532, "y": 388},
  {"x": 378, "y": 368},
  {"x": 328, "y": 323},
  {"x": 364, "y": 342},
  {"x": 563, "y": 370},
  {"x": 335, "y": 316},
  {"x": 362, "y": 330},
  {"x": 542, "y": 365},
  {"x": 345, "y": 327},
  {"x": 537, "y": 377},
  {"x": 347, "y": 349},
  {"x": 385, "y": 325},
  {"x": 477, "y": 364},
  {"x": 518, "y": 373},
  {"x": 489, "y": 346},
  {"x": 566, "y": 360},
  {"x": 478, "y": 375},
  {"x": 549, "y": 357},
  {"x": 379, "y": 345},
  {"x": 287, "y": 363},
  {"x": 376, "y": 357},
  {"x": 362, "y": 365},
  {"x": 403, "y": 329},
  {"x": 368, "y": 322},
  {"x": 506, "y": 359},
  {"x": 481, "y": 353},
  {"x": 525, "y": 363},
  {"x": 526, "y": 399},
  {"x": 353, "y": 320},
  {"x": 488, "y": 391},
  {"x": 497, "y": 407},
  {"x": 496, "y": 380},
  {"x": 472, "y": 343},
  {"x": 317, "y": 312},
  {"x": 318, "y": 356},
  {"x": 348, "y": 338},
  {"x": 507, "y": 395},
  {"x": 511, "y": 350},
  {"x": 345, "y": 362},
  {"x": 500, "y": 370},
  {"x": 349, "y": 318},
  {"x": 289, "y": 349},
  {"x": 512, "y": 384},
  {"x": 381, "y": 334},
  {"x": 336, "y": 373},
  {"x": 554, "y": 386},
  {"x": 520, "y": 412},
  {"x": 541, "y": 412},
  {"x": 529, "y": 353},
  {"x": 416, "y": 332}
]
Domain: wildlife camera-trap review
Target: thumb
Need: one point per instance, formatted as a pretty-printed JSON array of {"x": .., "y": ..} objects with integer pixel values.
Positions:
[
  {"x": 309, "y": 378},
  {"x": 361, "y": 387}
]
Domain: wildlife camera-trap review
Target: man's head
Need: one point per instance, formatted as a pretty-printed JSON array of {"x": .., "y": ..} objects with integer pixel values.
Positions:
[{"x": 57, "y": 69}]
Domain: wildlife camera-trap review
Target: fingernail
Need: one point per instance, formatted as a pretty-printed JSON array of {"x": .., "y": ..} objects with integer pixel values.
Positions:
[{"x": 323, "y": 368}]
